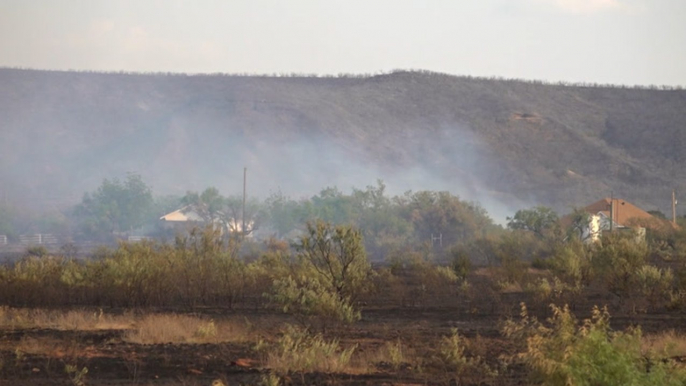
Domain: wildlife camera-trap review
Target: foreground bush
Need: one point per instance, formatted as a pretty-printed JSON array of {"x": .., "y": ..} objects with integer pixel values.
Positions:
[
  {"x": 299, "y": 351},
  {"x": 561, "y": 352},
  {"x": 311, "y": 302},
  {"x": 456, "y": 364},
  {"x": 329, "y": 273}
]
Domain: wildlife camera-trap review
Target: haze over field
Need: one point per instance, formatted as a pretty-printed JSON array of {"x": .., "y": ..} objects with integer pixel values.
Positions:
[{"x": 413, "y": 166}]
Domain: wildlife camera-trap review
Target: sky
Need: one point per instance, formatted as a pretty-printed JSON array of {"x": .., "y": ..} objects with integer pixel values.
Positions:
[{"x": 603, "y": 41}]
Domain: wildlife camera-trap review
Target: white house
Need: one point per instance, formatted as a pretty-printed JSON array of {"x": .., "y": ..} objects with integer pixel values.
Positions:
[
  {"x": 187, "y": 218},
  {"x": 616, "y": 214}
]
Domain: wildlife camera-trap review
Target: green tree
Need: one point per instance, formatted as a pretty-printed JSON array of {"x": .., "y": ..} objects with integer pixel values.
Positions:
[
  {"x": 540, "y": 220},
  {"x": 208, "y": 204},
  {"x": 116, "y": 206},
  {"x": 441, "y": 213},
  {"x": 226, "y": 212},
  {"x": 283, "y": 213},
  {"x": 333, "y": 206},
  {"x": 337, "y": 255},
  {"x": 381, "y": 221},
  {"x": 579, "y": 225},
  {"x": 165, "y": 204},
  {"x": 233, "y": 214}
]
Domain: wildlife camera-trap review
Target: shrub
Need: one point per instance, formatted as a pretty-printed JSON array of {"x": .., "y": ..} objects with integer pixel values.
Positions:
[
  {"x": 310, "y": 301},
  {"x": 544, "y": 289},
  {"x": 451, "y": 352},
  {"x": 330, "y": 272},
  {"x": 419, "y": 279},
  {"x": 37, "y": 250},
  {"x": 451, "y": 355},
  {"x": 563, "y": 353},
  {"x": 461, "y": 264},
  {"x": 616, "y": 260},
  {"x": 206, "y": 331},
  {"x": 571, "y": 263},
  {"x": 395, "y": 353},
  {"x": 654, "y": 283},
  {"x": 298, "y": 351},
  {"x": 335, "y": 255}
]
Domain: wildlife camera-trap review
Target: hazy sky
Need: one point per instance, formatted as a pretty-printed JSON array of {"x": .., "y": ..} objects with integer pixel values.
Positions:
[{"x": 607, "y": 41}]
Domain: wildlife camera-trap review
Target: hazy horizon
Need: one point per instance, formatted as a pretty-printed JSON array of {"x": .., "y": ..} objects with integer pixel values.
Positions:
[{"x": 592, "y": 41}]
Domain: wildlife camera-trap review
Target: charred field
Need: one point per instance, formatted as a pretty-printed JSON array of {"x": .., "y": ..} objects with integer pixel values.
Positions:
[{"x": 396, "y": 342}]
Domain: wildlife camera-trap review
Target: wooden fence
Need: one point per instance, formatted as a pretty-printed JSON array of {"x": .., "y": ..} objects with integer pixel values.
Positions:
[{"x": 38, "y": 239}]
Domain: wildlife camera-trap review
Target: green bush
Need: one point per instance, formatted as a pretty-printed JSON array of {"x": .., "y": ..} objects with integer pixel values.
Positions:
[
  {"x": 200, "y": 269},
  {"x": 654, "y": 283},
  {"x": 419, "y": 280},
  {"x": 335, "y": 255},
  {"x": 461, "y": 264},
  {"x": 331, "y": 271},
  {"x": 560, "y": 352},
  {"x": 312, "y": 302},
  {"x": 616, "y": 260}
]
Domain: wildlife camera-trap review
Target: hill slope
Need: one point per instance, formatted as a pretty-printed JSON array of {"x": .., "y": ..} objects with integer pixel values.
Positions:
[{"x": 508, "y": 144}]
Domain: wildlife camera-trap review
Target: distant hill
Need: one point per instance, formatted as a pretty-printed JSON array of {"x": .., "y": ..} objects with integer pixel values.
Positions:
[{"x": 507, "y": 143}]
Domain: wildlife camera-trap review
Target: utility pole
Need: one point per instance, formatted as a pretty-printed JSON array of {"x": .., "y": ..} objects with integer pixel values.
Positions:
[
  {"x": 245, "y": 174},
  {"x": 674, "y": 206}
]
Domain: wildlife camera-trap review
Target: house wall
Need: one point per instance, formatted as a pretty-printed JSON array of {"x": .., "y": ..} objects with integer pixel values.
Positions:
[{"x": 591, "y": 233}]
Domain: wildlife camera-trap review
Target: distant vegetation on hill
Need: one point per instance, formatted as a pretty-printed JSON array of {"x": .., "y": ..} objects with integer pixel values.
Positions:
[{"x": 506, "y": 143}]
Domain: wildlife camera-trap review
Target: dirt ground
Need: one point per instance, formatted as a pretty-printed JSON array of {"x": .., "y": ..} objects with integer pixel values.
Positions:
[
  {"x": 40, "y": 356},
  {"x": 111, "y": 360}
]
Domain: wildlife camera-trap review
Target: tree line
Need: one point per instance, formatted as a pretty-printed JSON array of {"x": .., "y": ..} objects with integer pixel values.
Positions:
[{"x": 119, "y": 207}]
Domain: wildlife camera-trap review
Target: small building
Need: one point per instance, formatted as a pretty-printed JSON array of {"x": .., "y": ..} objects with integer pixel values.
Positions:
[
  {"x": 615, "y": 214},
  {"x": 182, "y": 220},
  {"x": 186, "y": 218}
]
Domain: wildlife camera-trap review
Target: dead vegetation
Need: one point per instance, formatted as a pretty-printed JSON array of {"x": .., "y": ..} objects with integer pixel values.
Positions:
[
  {"x": 324, "y": 315},
  {"x": 174, "y": 328}
]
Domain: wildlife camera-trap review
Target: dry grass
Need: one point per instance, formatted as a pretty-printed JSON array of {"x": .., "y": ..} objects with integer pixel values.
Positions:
[
  {"x": 81, "y": 320},
  {"x": 171, "y": 328},
  {"x": 145, "y": 329},
  {"x": 668, "y": 343},
  {"x": 391, "y": 356},
  {"x": 298, "y": 351}
]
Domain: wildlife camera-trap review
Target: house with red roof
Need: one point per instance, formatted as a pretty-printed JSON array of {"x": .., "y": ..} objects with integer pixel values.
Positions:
[{"x": 615, "y": 214}]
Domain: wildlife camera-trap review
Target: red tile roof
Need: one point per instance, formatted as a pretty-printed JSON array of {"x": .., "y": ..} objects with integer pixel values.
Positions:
[{"x": 626, "y": 213}]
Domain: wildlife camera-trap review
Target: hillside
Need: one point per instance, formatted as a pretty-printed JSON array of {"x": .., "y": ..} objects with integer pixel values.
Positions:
[{"x": 508, "y": 144}]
